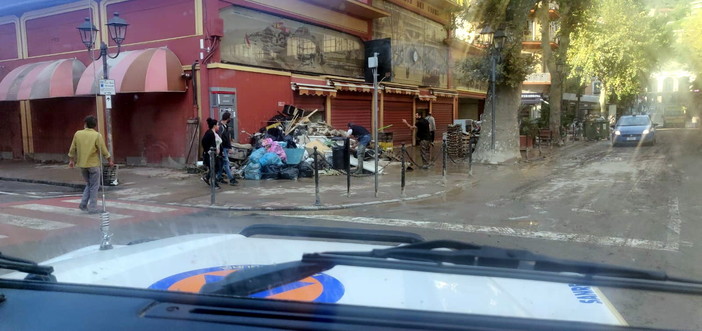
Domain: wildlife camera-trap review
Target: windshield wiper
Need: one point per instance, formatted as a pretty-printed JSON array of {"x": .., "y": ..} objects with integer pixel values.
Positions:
[
  {"x": 445, "y": 256},
  {"x": 34, "y": 270}
]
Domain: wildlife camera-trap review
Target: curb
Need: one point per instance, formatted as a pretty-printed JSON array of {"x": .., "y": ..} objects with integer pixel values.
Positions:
[
  {"x": 48, "y": 182},
  {"x": 306, "y": 208}
]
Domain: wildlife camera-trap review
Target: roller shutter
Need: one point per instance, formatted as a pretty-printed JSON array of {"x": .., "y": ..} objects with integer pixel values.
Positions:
[
  {"x": 351, "y": 107},
  {"x": 442, "y": 110},
  {"x": 396, "y": 108}
]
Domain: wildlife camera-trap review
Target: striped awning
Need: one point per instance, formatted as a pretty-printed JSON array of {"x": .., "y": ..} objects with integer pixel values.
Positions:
[
  {"x": 425, "y": 95},
  {"x": 444, "y": 93},
  {"x": 146, "y": 70},
  {"x": 401, "y": 90},
  {"x": 353, "y": 87},
  {"x": 42, "y": 80},
  {"x": 313, "y": 89}
]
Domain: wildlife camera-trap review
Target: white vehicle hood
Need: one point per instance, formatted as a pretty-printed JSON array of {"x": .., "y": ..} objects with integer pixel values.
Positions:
[{"x": 185, "y": 263}]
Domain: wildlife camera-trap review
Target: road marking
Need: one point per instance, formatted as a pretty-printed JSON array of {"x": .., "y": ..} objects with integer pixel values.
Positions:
[
  {"x": 63, "y": 210},
  {"x": 674, "y": 224},
  {"x": 33, "y": 223},
  {"x": 505, "y": 231},
  {"x": 122, "y": 205}
]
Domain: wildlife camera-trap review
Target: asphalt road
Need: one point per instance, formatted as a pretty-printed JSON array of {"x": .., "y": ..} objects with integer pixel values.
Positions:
[{"x": 631, "y": 206}]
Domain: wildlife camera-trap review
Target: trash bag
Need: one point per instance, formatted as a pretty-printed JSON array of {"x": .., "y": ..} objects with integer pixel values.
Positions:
[
  {"x": 252, "y": 171},
  {"x": 271, "y": 171},
  {"x": 256, "y": 155},
  {"x": 289, "y": 172},
  {"x": 305, "y": 170},
  {"x": 270, "y": 158}
]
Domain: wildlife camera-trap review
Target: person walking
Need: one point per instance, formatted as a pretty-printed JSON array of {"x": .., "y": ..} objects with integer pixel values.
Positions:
[
  {"x": 226, "y": 134},
  {"x": 211, "y": 140},
  {"x": 423, "y": 135},
  {"x": 85, "y": 151},
  {"x": 432, "y": 127},
  {"x": 363, "y": 136}
]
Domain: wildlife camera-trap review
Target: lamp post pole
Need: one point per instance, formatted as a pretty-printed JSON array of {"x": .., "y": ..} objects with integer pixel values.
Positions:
[
  {"x": 494, "y": 40},
  {"x": 117, "y": 29}
]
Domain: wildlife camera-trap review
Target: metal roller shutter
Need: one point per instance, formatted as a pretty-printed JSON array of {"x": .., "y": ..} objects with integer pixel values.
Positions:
[
  {"x": 396, "y": 108},
  {"x": 442, "y": 110},
  {"x": 310, "y": 102},
  {"x": 351, "y": 107}
]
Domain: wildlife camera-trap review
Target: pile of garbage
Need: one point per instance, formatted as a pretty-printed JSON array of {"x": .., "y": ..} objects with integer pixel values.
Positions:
[{"x": 284, "y": 149}]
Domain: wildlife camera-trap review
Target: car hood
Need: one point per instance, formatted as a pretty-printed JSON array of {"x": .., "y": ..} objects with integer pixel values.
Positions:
[
  {"x": 633, "y": 129},
  {"x": 185, "y": 263}
]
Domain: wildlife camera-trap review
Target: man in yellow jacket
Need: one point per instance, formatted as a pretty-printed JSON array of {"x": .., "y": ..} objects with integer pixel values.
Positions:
[{"x": 86, "y": 147}]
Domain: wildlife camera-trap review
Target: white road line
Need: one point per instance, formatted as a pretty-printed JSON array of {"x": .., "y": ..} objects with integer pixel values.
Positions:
[
  {"x": 122, "y": 205},
  {"x": 33, "y": 223},
  {"x": 674, "y": 224},
  {"x": 38, "y": 196},
  {"x": 504, "y": 231},
  {"x": 63, "y": 210}
]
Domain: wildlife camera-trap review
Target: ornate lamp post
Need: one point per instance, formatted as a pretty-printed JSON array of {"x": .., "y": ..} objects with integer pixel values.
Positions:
[
  {"x": 117, "y": 29},
  {"x": 495, "y": 40}
]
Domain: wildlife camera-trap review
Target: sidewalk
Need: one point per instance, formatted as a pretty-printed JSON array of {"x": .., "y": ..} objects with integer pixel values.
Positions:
[
  {"x": 174, "y": 186},
  {"x": 177, "y": 187}
]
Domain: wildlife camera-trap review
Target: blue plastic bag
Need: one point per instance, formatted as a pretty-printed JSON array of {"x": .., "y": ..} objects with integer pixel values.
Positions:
[
  {"x": 252, "y": 171},
  {"x": 256, "y": 155},
  {"x": 270, "y": 159}
]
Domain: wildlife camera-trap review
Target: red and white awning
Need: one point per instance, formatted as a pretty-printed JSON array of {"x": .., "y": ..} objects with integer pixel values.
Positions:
[
  {"x": 146, "y": 70},
  {"x": 425, "y": 95},
  {"x": 313, "y": 89},
  {"x": 444, "y": 93},
  {"x": 401, "y": 90},
  {"x": 353, "y": 87},
  {"x": 42, "y": 80}
]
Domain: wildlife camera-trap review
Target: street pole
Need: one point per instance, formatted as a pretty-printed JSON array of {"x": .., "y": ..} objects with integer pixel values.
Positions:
[
  {"x": 108, "y": 101},
  {"x": 492, "y": 99},
  {"x": 375, "y": 117}
]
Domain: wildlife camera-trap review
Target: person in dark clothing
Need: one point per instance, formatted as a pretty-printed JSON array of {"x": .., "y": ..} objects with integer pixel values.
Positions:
[
  {"x": 226, "y": 134},
  {"x": 363, "y": 137},
  {"x": 423, "y": 135},
  {"x": 209, "y": 140}
]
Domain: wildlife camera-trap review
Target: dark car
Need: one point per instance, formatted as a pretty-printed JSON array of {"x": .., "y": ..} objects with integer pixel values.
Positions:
[{"x": 634, "y": 130}]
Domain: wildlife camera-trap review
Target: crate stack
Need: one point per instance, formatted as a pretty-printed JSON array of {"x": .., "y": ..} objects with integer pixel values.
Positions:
[{"x": 454, "y": 141}]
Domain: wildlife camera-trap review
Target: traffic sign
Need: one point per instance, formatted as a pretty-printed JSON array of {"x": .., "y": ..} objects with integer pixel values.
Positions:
[{"x": 107, "y": 87}]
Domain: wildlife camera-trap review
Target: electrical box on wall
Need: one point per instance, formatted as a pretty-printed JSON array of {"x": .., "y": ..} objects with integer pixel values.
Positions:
[{"x": 223, "y": 99}]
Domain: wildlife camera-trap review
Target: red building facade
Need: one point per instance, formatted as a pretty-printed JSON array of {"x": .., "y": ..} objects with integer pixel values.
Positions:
[{"x": 185, "y": 60}]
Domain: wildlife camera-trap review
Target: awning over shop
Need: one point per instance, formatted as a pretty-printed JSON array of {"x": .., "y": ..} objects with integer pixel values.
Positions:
[
  {"x": 314, "y": 89},
  {"x": 147, "y": 70},
  {"x": 444, "y": 93},
  {"x": 42, "y": 80},
  {"x": 353, "y": 87},
  {"x": 425, "y": 95},
  {"x": 401, "y": 90}
]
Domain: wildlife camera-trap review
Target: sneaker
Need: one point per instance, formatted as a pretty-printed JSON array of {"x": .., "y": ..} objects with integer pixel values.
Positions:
[
  {"x": 83, "y": 208},
  {"x": 233, "y": 182},
  {"x": 206, "y": 179}
]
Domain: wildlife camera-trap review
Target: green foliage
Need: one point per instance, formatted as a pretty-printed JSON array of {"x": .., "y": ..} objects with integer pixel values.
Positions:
[
  {"x": 691, "y": 43},
  {"x": 620, "y": 44},
  {"x": 510, "y": 15},
  {"x": 529, "y": 127}
]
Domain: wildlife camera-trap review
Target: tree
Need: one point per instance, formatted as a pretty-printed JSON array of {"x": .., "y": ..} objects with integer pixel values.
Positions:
[
  {"x": 691, "y": 43},
  {"x": 619, "y": 45},
  {"x": 509, "y": 15},
  {"x": 571, "y": 13}
]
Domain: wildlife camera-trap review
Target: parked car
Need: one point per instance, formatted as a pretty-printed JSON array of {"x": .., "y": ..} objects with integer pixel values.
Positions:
[{"x": 634, "y": 130}]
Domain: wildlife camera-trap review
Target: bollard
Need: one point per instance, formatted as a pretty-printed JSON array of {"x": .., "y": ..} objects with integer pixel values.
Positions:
[
  {"x": 316, "y": 178},
  {"x": 402, "y": 177},
  {"x": 213, "y": 178},
  {"x": 470, "y": 158},
  {"x": 444, "y": 150},
  {"x": 347, "y": 161}
]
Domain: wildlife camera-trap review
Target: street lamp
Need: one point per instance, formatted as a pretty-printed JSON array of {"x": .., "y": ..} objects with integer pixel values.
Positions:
[
  {"x": 117, "y": 29},
  {"x": 496, "y": 41}
]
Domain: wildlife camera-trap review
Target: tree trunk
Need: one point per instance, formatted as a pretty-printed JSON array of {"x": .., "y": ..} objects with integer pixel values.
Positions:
[
  {"x": 507, "y": 102},
  {"x": 549, "y": 60},
  {"x": 603, "y": 100}
]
